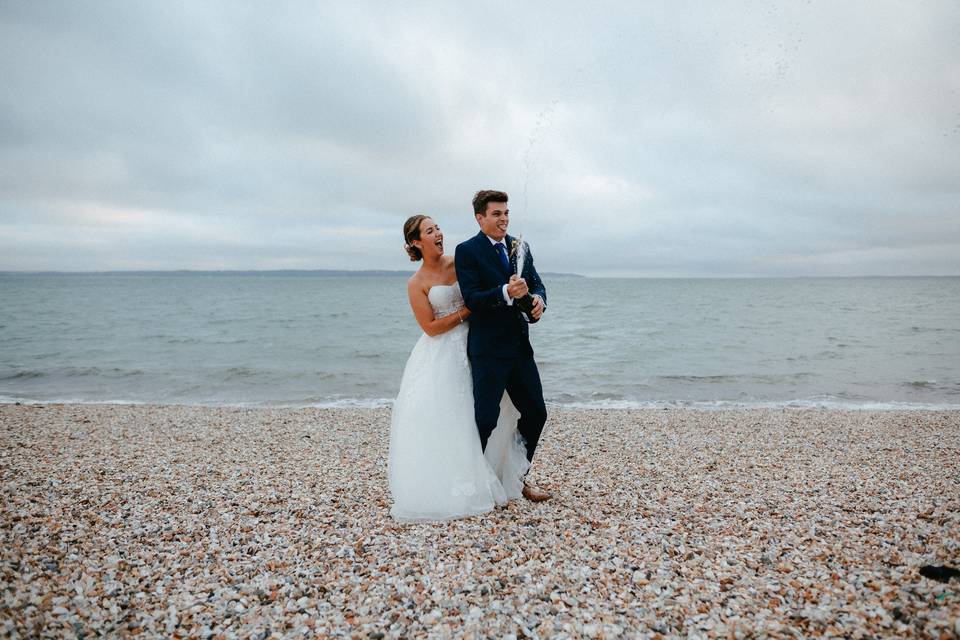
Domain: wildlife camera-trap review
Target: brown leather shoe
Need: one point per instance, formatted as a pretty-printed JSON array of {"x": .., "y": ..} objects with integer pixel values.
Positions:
[{"x": 533, "y": 494}]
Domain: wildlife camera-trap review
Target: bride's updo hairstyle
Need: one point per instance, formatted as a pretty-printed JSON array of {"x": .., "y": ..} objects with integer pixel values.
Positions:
[{"x": 411, "y": 232}]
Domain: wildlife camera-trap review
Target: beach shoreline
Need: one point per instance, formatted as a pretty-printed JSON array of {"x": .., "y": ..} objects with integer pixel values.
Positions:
[{"x": 198, "y": 521}]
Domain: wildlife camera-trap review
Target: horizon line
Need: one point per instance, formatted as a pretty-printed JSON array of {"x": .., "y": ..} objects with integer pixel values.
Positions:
[{"x": 399, "y": 272}]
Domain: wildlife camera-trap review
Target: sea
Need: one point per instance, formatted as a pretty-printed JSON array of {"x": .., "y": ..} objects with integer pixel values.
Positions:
[{"x": 308, "y": 339}]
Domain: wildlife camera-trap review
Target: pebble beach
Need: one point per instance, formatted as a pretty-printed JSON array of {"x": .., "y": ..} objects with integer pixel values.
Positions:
[{"x": 232, "y": 522}]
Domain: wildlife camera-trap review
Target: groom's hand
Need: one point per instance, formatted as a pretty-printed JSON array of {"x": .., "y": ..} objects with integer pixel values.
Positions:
[
  {"x": 517, "y": 287},
  {"x": 538, "y": 307}
]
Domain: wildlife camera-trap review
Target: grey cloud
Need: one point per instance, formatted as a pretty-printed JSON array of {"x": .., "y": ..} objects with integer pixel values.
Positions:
[{"x": 756, "y": 139}]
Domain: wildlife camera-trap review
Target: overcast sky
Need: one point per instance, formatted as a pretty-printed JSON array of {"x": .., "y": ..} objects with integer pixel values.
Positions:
[{"x": 634, "y": 138}]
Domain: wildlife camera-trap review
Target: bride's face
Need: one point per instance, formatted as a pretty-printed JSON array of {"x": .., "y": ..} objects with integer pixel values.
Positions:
[{"x": 431, "y": 238}]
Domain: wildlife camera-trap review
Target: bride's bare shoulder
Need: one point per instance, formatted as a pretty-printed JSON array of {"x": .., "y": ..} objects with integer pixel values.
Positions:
[{"x": 417, "y": 282}]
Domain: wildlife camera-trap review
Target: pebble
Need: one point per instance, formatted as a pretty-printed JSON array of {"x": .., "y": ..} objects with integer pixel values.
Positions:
[{"x": 274, "y": 522}]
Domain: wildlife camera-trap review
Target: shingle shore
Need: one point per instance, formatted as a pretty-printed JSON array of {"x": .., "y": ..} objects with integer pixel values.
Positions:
[{"x": 232, "y": 522}]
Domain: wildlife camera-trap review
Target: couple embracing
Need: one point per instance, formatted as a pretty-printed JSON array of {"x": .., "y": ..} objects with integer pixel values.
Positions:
[{"x": 470, "y": 409}]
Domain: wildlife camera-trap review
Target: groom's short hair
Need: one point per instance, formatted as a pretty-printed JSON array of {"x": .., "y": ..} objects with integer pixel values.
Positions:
[{"x": 483, "y": 197}]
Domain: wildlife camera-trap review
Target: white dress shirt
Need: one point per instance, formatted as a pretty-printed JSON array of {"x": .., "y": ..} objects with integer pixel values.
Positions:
[{"x": 506, "y": 296}]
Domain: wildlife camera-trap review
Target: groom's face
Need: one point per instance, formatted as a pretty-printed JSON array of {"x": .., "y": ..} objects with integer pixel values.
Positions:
[{"x": 495, "y": 220}]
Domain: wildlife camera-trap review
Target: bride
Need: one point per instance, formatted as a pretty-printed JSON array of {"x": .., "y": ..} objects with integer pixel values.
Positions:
[{"x": 437, "y": 469}]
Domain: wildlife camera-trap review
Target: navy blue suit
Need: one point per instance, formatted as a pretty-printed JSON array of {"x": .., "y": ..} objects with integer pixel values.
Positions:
[{"x": 498, "y": 344}]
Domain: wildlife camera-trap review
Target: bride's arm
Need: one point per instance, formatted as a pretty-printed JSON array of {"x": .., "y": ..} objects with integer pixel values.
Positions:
[{"x": 423, "y": 312}]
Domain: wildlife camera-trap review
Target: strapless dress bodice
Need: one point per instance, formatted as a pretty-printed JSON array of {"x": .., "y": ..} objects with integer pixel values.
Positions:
[{"x": 445, "y": 299}]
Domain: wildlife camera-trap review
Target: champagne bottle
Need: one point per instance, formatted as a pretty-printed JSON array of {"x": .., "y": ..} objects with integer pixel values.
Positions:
[{"x": 525, "y": 303}]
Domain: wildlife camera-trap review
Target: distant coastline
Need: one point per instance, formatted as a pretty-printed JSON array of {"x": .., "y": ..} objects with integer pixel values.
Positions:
[
  {"x": 379, "y": 273},
  {"x": 327, "y": 273}
]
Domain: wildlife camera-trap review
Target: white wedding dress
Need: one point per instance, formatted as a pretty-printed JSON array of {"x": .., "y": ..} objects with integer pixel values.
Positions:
[{"x": 437, "y": 470}]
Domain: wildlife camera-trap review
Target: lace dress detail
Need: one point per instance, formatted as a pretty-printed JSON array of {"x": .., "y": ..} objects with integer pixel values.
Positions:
[
  {"x": 445, "y": 299},
  {"x": 436, "y": 468}
]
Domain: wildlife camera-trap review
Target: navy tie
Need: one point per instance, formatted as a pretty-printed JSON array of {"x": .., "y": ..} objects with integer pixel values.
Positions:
[{"x": 502, "y": 252}]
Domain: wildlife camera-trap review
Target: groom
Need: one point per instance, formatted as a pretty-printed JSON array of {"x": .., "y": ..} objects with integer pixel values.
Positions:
[{"x": 498, "y": 344}]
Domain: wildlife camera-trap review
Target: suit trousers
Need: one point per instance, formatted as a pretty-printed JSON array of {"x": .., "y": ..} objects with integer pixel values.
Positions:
[{"x": 519, "y": 377}]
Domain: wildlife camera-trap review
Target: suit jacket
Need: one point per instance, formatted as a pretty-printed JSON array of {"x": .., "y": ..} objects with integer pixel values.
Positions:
[{"x": 496, "y": 328}]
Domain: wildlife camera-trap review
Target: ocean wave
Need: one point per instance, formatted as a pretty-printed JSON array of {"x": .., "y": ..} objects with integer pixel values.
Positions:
[
  {"x": 240, "y": 372},
  {"x": 917, "y": 329},
  {"x": 337, "y": 403},
  {"x": 933, "y": 385},
  {"x": 5, "y": 399},
  {"x": 317, "y": 375},
  {"x": 107, "y": 372},
  {"x": 767, "y": 378},
  {"x": 595, "y": 397},
  {"x": 837, "y": 404},
  {"x": 694, "y": 378},
  {"x": 73, "y": 372},
  {"x": 592, "y": 337},
  {"x": 371, "y": 403},
  {"x": 81, "y": 371},
  {"x": 24, "y": 375},
  {"x": 167, "y": 338},
  {"x": 828, "y": 355}
]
